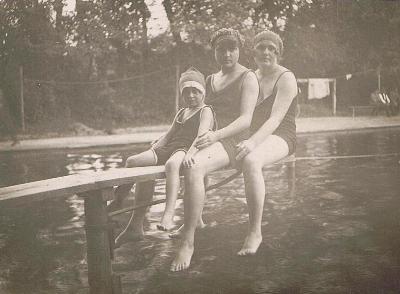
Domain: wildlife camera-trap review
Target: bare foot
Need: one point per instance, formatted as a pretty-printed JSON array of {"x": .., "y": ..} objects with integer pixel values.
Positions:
[
  {"x": 178, "y": 232},
  {"x": 167, "y": 223},
  {"x": 251, "y": 244},
  {"x": 127, "y": 236},
  {"x": 183, "y": 257}
]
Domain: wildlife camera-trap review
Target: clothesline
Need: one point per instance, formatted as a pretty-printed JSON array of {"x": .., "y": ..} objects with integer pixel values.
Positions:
[
  {"x": 319, "y": 88},
  {"x": 346, "y": 76},
  {"x": 300, "y": 80}
]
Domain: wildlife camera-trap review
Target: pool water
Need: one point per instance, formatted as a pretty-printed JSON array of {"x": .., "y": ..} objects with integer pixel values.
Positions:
[{"x": 330, "y": 225}]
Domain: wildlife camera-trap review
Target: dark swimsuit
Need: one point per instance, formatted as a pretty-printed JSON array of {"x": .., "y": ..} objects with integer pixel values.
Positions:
[
  {"x": 182, "y": 138},
  {"x": 287, "y": 129},
  {"x": 226, "y": 103}
]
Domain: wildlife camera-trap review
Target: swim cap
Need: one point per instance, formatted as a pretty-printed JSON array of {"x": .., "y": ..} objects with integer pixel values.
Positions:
[
  {"x": 227, "y": 35},
  {"x": 268, "y": 35},
  {"x": 192, "y": 77}
]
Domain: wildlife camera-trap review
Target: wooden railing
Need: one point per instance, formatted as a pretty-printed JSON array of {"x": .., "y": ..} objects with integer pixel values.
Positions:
[{"x": 95, "y": 189}]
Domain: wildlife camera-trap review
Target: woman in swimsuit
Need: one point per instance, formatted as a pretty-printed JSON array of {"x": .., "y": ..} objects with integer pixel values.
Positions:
[
  {"x": 273, "y": 129},
  {"x": 233, "y": 93}
]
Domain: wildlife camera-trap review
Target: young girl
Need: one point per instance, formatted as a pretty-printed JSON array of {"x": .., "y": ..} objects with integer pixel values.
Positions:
[{"x": 177, "y": 146}]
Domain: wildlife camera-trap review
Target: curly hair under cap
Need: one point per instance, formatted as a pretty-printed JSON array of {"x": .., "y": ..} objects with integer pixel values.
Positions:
[
  {"x": 268, "y": 35},
  {"x": 226, "y": 33}
]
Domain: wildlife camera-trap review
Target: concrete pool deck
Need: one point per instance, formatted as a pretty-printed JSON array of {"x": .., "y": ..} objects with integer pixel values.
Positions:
[{"x": 148, "y": 134}]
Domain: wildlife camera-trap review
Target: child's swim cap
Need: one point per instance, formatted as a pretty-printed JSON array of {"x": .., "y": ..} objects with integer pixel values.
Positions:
[{"x": 192, "y": 78}]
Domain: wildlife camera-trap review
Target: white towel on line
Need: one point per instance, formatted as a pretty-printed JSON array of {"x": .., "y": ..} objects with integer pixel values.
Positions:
[{"x": 318, "y": 88}]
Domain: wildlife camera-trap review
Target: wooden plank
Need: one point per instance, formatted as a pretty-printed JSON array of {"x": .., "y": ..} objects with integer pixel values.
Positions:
[
  {"x": 123, "y": 176},
  {"x": 25, "y": 186},
  {"x": 74, "y": 184},
  {"x": 40, "y": 190}
]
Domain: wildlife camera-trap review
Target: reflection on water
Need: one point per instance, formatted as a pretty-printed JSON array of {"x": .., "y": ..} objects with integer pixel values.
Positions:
[
  {"x": 329, "y": 226},
  {"x": 78, "y": 163}
]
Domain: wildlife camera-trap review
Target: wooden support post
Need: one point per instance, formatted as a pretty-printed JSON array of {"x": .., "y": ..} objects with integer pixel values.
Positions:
[
  {"x": 117, "y": 286},
  {"x": 98, "y": 246}
]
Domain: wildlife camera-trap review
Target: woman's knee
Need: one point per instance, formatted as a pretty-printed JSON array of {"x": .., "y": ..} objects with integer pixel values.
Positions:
[
  {"x": 251, "y": 163},
  {"x": 196, "y": 171}
]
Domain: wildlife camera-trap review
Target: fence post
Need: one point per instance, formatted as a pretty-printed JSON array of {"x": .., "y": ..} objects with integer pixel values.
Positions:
[
  {"x": 21, "y": 97},
  {"x": 334, "y": 97},
  {"x": 379, "y": 80}
]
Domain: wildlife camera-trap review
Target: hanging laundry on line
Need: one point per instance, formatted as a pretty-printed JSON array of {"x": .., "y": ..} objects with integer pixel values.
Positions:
[{"x": 318, "y": 88}]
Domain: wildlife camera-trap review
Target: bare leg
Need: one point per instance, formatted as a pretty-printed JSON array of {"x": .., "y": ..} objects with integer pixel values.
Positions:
[
  {"x": 271, "y": 150},
  {"x": 206, "y": 160},
  {"x": 176, "y": 234},
  {"x": 172, "y": 167},
  {"x": 144, "y": 193},
  {"x": 145, "y": 158},
  {"x": 134, "y": 230}
]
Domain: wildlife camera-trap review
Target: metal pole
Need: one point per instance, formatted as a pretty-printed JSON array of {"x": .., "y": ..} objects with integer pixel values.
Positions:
[
  {"x": 21, "y": 97},
  {"x": 177, "y": 73}
]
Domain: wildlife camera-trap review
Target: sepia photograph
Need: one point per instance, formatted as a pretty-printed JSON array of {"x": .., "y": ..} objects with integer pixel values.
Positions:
[{"x": 199, "y": 146}]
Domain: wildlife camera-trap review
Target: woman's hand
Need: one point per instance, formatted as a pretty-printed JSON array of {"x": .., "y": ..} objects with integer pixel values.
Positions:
[
  {"x": 188, "y": 160},
  {"x": 206, "y": 140},
  {"x": 244, "y": 148}
]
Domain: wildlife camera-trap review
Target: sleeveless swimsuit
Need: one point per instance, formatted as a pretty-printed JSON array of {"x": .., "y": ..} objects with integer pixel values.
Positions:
[
  {"x": 183, "y": 137},
  {"x": 226, "y": 103},
  {"x": 287, "y": 129}
]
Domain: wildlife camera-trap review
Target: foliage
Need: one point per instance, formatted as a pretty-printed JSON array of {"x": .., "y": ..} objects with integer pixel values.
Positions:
[{"x": 108, "y": 40}]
